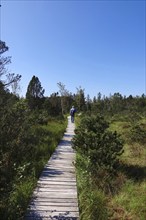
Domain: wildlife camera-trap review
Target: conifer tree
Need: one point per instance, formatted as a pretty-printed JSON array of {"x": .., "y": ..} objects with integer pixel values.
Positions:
[{"x": 35, "y": 93}]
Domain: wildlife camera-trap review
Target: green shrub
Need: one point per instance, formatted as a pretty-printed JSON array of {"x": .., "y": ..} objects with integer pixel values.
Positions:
[
  {"x": 28, "y": 138},
  {"x": 100, "y": 146},
  {"x": 137, "y": 134}
]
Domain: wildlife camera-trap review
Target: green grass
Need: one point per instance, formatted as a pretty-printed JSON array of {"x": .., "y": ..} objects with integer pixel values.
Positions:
[
  {"x": 92, "y": 202},
  {"x": 19, "y": 198},
  {"x": 16, "y": 201},
  {"x": 128, "y": 201},
  {"x": 134, "y": 154},
  {"x": 131, "y": 198}
]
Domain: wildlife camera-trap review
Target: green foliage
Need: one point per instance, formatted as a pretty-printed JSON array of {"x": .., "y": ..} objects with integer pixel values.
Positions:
[
  {"x": 117, "y": 104},
  {"x": 128, "y": 203},
  {"x": 127, "y": 198},
  {"x": 92, "y": 201},
  {"x": 18, "y": 199},
  {"x": 65, "y": 98},
  {"x": 93, "y": 205},
  {"x": 34, "y": 94},
  {"x": 137, "y": 134},
  {"x": 100, "y": 146},
  {"x": 80, "y": 99},
  {"x": 28, "y": 138},
  {"x": 26, "y": 161},
  {"x": 98, "y": 150},
  {"x": 132, "y": 199}
]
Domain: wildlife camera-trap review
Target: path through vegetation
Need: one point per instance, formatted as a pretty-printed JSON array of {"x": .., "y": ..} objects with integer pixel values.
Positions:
[{"x": 56, "y": 194}]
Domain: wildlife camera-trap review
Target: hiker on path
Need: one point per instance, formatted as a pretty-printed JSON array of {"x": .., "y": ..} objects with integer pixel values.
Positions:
[{"x": 72, "y": 113}]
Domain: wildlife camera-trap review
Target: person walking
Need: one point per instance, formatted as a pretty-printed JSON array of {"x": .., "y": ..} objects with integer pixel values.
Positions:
[{"x": 72, "y": 113}]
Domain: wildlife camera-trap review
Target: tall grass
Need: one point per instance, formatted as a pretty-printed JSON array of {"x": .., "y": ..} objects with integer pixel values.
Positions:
[
  {"x": 128, "y": 198},
  {"x": 44, "y": 140},
  {"x": 92, "y": 202},
  {"x": 131, "y": 200},
  {"x": 19, "y": 198}
]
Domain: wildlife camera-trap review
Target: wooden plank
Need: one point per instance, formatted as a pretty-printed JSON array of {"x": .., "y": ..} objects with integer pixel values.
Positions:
[
  {"x": 57, "y": 180},
  {"x": 60, "y": 167},
  {"x": 55, "y": 196},
  {"x": 55, "y": 208},
  {"x": 57, "y": 189},
  {"x": 50, "y": 203},
  {"x": 58, "y": 170},
  {"x": 54, "y": 200},
  {"x": 64, "y": 152},
  {"x": 63, "y": 161},
  {"x": 52, "y": 186},
  {"x": 53, "y": 214},
  {"x": 49, "y": 176}
]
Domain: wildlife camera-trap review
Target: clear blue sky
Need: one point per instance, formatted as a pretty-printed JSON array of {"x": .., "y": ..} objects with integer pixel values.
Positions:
[{"x": 98, "y": 45}]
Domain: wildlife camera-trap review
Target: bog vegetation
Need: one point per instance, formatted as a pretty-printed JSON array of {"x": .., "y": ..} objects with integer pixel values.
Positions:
[{"x": 110, "y": 141}]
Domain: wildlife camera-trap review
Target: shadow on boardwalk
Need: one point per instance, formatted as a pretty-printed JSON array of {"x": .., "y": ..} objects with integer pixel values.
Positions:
[
  {"x": 65, "y": 143},
  {"x": 36, "y": 216}
]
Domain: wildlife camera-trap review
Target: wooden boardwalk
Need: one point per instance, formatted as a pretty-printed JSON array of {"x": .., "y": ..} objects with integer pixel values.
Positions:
[{"x": 55, "y": 197}]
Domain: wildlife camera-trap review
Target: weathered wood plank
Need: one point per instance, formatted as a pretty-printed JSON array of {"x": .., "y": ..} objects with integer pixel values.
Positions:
[
  {"x": 60, "y": 190},
  {"x": 53, "y": 215},
  {"x": 55, "y": 208},
  {"x": 57, "y": 180},
  {"x": 57, "y": 186},
  {"x": 55, "y": 203},
  {"x": 60, "y": 167},
  {"x": 55, "y": 196},
  {"x": 54, "y": 200},
  {"x": 58, "y": 172},
  {"x": 50, "y": 176}
]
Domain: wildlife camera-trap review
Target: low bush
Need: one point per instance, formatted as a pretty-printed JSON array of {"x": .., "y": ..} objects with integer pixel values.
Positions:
[
  {"x": 137, "y": 134},
  {"x": 23, "y": 157},
  {"x": 99, "y": 146},
  {"x": 98, "y": 150}
]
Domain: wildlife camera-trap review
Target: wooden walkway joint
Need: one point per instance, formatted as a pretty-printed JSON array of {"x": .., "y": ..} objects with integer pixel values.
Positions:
[{"x": 55, "y": 197}]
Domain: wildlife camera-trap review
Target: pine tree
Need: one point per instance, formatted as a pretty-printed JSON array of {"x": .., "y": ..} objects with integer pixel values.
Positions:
[{"x": 35, "y": 93}]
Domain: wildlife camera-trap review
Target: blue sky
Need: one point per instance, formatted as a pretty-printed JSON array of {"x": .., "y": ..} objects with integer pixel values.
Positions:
[{"x": 98, "y": 45}]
